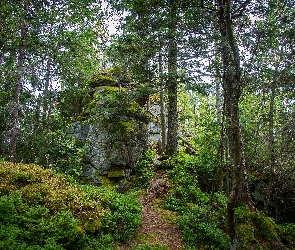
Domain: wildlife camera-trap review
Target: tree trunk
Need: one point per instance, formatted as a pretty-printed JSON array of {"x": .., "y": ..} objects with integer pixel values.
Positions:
[
  {"x": 18, "y": 85},
  {"x": 172, "y": 133},
  {"x": 46, "y": 92},
  {"x": 232, "y": 91},
  {"x": 271, "y": 145},
  {"x": 162, "y": 104}
]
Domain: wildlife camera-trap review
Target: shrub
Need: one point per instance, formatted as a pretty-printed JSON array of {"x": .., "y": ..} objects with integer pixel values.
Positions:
[
  {"x": 287, "y": 234},
  {"x": 199, "y": 229},
  {"x": 23, "y": 225},
  {"x": 40, "y": 209},
  {"x": 144, "y": 169},
  {"x": 201, "y": 214}
]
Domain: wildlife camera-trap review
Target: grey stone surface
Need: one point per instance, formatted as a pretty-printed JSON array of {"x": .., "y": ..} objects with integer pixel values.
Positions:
[{"x": 109, "y": 148}]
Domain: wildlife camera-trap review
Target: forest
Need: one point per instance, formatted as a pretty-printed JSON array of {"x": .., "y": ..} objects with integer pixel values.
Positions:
[{"x": 147, "y": 124}]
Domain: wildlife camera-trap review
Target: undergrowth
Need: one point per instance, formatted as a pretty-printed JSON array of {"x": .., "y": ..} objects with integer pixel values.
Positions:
[
  {"x": 40, "y": 209},
  {"x": 202, "y": 215}
]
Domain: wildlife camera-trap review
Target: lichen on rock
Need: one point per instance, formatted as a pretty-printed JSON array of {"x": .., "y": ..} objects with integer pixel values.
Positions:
[{"x": 117, "y": 134}]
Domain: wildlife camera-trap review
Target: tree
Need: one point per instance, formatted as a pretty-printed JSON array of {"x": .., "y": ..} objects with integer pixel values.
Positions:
[
  {"x": 232, "y": 86},
  {"x": 37, "y": 40},
  {"x": 171, "y": 85}
]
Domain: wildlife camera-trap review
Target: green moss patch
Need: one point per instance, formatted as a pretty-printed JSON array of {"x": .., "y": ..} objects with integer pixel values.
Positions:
[
  {"x": 116, "y": 173},
  {"x": 101, "y": 79},
  {"x": 40, "y": 209}
]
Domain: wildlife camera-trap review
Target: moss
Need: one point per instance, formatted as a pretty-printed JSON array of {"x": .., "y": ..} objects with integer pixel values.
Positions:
[
  {"x": 147, "y": 242},
  {"x": 116, "y": 173},
  {"x": 287, "y": 234},
  {"x": 91, "y": 225},
  {"x": 54, "y": 191},
  {"x": 135, "y": 110},
  {"x": 105, "y": 91},
  {"x": 265, "y": 225},
  {"x": 126, "y": 126},
  {"x": 168, "y": 216},
  {"x": 101, "y": 79},
  {"x": 107, "y": 182},
  {"x": 247, "y": 238}
]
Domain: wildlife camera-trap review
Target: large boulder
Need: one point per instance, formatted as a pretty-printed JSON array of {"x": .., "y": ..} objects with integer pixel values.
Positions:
[{"x": 115, "y": 137}]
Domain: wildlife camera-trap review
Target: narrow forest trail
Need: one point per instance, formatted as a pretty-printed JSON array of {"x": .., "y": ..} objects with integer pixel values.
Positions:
[{"x": 159, "y": 229}]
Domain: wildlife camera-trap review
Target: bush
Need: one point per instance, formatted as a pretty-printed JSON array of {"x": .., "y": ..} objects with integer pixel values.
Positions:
[
  {"x": 24, "y": 226},
  {"x": 287, "y": 234},
  {"x": 144, "y": 169},
  {"x": 62, "y": 152},
  {"x": 40, "y": 209},
  {"x": 256, "y": 230},
  {"x": 201, "y": 214}
]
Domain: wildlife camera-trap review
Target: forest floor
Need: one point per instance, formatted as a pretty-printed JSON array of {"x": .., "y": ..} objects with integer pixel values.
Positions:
[{"x": 159, "y": 229}]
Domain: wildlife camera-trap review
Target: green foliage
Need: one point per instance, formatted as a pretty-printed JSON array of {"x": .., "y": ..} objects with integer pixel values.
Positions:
[
  {"x": 287, "y": 234},
  {"x": 150, "y": 247},
  {"x": 124, "y": 216},
  {"x": 117, "y": 104},
  {"x": 144, "y": 169},
  {"x": 72, "y": 104},
  {"x": 61, "y": 152},
  {"x": 101, "y": 79},
  {"x": 28, "y": 227},
  {"x": 42, "y": 209},
  {"x": 256, "y": 230},
  {"x": 192, "y": 170},
  {"x": 200, "y": 224},
  {"x": 246, "y": 233},
  {"x": 265, "y": 226},
  {"x": 202, "y": 233}
]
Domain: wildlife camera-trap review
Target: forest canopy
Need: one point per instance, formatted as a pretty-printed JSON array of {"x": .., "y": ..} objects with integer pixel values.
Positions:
[{"x": 221, "y": 74}]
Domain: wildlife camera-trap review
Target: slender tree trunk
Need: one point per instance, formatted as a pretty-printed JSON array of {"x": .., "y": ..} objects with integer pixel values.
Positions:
[
  {"x": 218, "y": 99},
  {"x": 46, "y": 92},
  {"x": 162, "y": 104},
  {"x": 172, "y": 133},
  {"x": 232, "y": 91},
  {"x": 18, "y": 86},
  {"x": 271, "y": 145},
  {"x": 247, "y": 194}
]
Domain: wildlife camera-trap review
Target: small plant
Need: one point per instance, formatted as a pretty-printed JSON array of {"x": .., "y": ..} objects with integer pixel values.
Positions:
[{"x": 144, "y": 169}]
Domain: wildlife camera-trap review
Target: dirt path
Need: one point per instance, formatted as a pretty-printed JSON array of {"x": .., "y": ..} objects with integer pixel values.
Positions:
[{"x": 159, "y": 228}]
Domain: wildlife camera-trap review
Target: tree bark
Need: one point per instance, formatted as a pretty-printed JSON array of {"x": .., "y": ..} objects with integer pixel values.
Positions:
[
  {"x": 18, "y": 86},
  {"x": 172, "y": 133},
  {"x": 162, "y": 104},
  {"x": 232, "y": 92},
  {"x": 271, "y": 145}
]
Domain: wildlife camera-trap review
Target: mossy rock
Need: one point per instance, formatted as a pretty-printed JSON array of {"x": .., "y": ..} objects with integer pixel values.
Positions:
[
  {"x": 101, "y": 79},
  {"x": 135, "y": 110},
  {"x": 265, "y": 225},
  {"x": 247, "y": 238},
  {"x": 107, "y": 182},
  {"x": 110, "y": 91},
  {"x": 125, "y": 127},
  {"x": 116, "y": 173}
]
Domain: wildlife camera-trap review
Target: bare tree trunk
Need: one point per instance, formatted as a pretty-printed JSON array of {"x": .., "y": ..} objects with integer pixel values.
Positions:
[
  {"x": 46, "y": 91},
  {"x": 18, "y": 86},
  {"x": 232, "y": 92},
  {"x": 162, "y": 104},
  {"x": 172, "y": 133},
  {"x": 218, "y": 99},
  {"x": 271, "y": 145}
]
